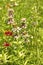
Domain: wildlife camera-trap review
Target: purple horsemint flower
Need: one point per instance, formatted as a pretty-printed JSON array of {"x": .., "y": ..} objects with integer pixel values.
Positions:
[
  {"x": 10, "y": 21},
  {"x": 10, "y": 12},
  {"x": 16, "y": 36},
  {"x": 23, "y": 25}
]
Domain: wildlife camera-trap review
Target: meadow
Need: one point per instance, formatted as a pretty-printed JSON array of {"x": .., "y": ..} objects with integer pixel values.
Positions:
[{"x": 21, "y": 32}]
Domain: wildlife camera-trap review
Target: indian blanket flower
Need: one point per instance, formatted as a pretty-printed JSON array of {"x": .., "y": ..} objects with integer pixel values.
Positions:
[
  {"x": 6, "y": 44},
  {"x": 8, "y": 33}
]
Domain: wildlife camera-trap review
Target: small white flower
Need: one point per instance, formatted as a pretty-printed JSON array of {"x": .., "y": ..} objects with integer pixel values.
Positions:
[
  {"x": 18, "y": 28},
  {"x": 16, "y": 37},
  {"x": 23, "y": 19},
  {"x": 16, "y": 4},
  {"x": 14, "y": 29},
  {"x": 10, "y": 22},
  {"x": 10, "y": 10},
  {"x": 27, "y": 35},
  {"x": 28, "y": 40},
  {"x": 31, "y": 37}
]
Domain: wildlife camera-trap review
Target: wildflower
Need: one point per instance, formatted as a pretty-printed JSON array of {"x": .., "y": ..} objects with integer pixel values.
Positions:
[
  {"x": 10, "y": 21},
  {"x": 6, "y": 44},
  {"x": 24, "y": 33},
  {"x": 15, "y": 4},
  {"x": 8, "y": 33},
  {"x": 26, "y": 40},
  {"x": 15, "y": 25},
  {"x": 23, "y": 19},
  {"x": 10, "y": 12},
  {"x": 18, "y": 29},
  {"x": 14, "y": 28},
  {"x": 23, "y": 25},
  {"x": 16, "y": 36}
]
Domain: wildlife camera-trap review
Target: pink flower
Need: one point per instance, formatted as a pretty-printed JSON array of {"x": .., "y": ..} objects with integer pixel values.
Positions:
[{"x": 10, "y": 21}]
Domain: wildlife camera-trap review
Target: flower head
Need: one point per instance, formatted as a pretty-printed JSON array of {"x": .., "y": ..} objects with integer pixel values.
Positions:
[
  {"x": 8, "y": 33},
  {"x": 10, "y": 21},
  {"x": 10, "y": 12},
  {"x": 6, "y": 44}
]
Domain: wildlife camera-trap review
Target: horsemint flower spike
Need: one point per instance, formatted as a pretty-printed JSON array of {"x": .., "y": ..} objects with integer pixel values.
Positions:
[
  {"x": 23, "y": 23},
  {"x": 10, "y": 12},
  {"x": 10, "y": 20},
  {"x": 10, "y": 16}
]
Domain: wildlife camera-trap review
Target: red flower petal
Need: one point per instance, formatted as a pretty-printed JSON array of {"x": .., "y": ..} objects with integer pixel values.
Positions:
[
  {"x": 6, "y": 44},
  {"x": 8, "y": 33}
]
